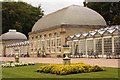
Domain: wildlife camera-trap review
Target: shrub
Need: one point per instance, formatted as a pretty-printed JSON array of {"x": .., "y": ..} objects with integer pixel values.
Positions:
[
  {"x": 97, "y": 68},
  {"x": 60, "y": 69}
]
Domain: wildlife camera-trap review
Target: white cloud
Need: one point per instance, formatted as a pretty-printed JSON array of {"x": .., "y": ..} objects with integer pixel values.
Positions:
[{"x": 53, "y": 5}]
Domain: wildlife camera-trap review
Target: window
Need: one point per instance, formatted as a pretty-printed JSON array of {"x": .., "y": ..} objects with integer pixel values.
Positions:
[
  {"x": 38, "y": 42},
  {"x": 90, "y": 46},
  {"x": 83, "y": 46},
  {"x": 98, "y": 45},
  {"x": 48, "y": 45},
  {"x": 58, "y": 49},
  {"x": 58, "y": 34},
  {"x": 117, "y": 44},
  {"x": 42, "y": 43},
  {"x": 53, "y": 43},
  {"x": 70, "y": 45},
  {"x": 58, "y": 42},
  {"x": 32, "y": 37},
  {"x": 42, "y": 37},
  {"x": 36, "y": 37},
  {"x": 107, "y": 45},
  {"x": 75, "y": 47}
]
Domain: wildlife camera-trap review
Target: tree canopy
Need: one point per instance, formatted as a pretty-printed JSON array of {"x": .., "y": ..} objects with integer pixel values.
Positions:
[
  {"x": 109, "y": 10},
  {"x": 20, "y": 16}
]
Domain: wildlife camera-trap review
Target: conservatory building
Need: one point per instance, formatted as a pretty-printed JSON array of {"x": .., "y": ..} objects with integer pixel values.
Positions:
[
  {"x": 82, "y": 28},
  {"x": 8, "y": 42},
  {"x": 49, "y": 33},
  {"x": 102, "y": 41}
]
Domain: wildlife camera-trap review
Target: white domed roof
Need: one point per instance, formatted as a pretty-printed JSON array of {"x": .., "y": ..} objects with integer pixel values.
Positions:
[
  {"x": 13, "y": 35},
  {"x": 70, "y": 15}
]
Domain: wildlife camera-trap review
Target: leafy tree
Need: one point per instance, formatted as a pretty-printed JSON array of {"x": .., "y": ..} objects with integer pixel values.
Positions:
[
  {"x": 109, "y": 10},
  {"x": 20, "y": 16}
]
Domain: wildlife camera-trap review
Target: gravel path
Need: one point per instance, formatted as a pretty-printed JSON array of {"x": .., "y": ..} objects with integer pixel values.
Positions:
[{"x": 102, "y": 61}]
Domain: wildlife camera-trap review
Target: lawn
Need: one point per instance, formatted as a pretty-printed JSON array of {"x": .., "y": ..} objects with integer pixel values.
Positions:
[{"x": 29, "y": 72}]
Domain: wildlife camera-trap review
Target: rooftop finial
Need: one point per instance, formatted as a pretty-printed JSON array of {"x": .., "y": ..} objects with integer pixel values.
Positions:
[{"x": 12, "y": 30}]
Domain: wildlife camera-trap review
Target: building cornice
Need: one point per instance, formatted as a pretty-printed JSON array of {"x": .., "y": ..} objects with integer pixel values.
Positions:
[{"x": 68, "y": 26}]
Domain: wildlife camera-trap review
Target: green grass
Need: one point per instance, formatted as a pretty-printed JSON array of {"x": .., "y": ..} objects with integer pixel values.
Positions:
[{"x": 29, "y": 72}]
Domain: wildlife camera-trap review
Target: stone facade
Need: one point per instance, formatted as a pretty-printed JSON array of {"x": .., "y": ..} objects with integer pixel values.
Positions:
[
  {"x": 50, "y": 43},
  {"x": 50, "y": 33},
  {"x": 11, "y": 37},
  {"x": 52, "y": 40}
]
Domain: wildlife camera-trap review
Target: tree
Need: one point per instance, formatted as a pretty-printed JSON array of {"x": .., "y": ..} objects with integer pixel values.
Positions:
[
  {"x": 109, "y": 10},
  {"x": 20, "y": 16}
]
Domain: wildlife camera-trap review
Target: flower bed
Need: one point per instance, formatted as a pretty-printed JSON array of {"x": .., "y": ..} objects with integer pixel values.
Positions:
[
  {"x": 60, "y": 69},
  {"x": 15, "y": 64}
]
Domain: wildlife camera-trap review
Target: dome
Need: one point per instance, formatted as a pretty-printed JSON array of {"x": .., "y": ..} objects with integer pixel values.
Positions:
[
  {"x": 73, "y": 14},
  {"x": 13, "y": 35}
]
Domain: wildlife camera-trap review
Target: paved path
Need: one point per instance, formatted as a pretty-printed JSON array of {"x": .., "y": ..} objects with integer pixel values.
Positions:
[{"x": 102, "y": 62}]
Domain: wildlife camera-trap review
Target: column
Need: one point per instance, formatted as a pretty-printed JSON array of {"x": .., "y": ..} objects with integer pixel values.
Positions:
[
  {"x": 45, "y": 41},
  {"x": 72, "y": 47},
  {"x": 86, "y": 48},
  {"x": 112, "y": 44},
  {"x": 40, "y": 44},
  {"x": 94, "y": 43},
  {"x": 50, "y": 43},
  {"x": 4, "y": 50},
  {"x": 62, "y": 34},
  {"x": 102, "y": 47},
  {"x": 35, "y": 47},
  {"x": 19, "y": 50},
  {"x": 30, "y": 47},
  {"x": 55, "y": 43},
  {"x": 79, "y": 46}
]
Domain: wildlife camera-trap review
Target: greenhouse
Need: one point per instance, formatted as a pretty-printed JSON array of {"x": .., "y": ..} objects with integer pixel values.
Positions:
[{"x": 104, "y": 42}]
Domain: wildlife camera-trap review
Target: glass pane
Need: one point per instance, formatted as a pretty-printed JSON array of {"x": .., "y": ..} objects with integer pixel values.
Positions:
[
  {"x": 98, "y": 46},
  {"x": 116, "y": 44},
  {"x": 83, "y": 46},
  {"x": 75, "y": 47},
  {"x": 70, "y": 44},
  {"x": 90, "y": 46},
  {"x": 58, "y": 44},
  {"x": 107, "y": 45},
  {"x": 53, "y": 45}
]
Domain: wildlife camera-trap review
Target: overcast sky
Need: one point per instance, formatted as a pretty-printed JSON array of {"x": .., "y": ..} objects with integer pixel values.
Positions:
[{"x": 52, "y": 5}]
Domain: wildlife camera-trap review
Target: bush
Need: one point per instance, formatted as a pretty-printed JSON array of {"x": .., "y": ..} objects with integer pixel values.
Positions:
[
  {"x": 60, "y": 69},
  {"x": 97, "y": 68}
]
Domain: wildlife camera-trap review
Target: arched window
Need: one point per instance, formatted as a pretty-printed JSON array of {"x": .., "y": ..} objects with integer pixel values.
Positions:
[
  {"x": 58, "y": 42},
  {"x": 53, "y": 43},
  {"x": 43, "y": 42},
  {"x": 48, "y": 43}
]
